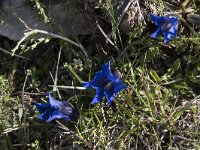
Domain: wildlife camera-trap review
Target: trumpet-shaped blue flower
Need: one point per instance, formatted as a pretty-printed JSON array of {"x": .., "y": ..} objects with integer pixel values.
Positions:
[
  {"x": 54, "y": 110},
  {"x": 167, "y": 26},
  {"x": 106, "y": 84}
]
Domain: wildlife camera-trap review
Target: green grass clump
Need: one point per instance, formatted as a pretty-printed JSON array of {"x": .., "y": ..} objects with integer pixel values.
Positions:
[
  {"x": 8, "y": 105},
  {"x": 8, "y": 112}
]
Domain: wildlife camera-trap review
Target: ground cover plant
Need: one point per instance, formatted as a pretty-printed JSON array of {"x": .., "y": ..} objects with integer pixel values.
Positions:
[{"x": 132, "y": 83}]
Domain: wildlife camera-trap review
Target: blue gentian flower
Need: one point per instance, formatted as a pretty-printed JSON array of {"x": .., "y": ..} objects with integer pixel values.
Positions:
[
  {"x": 54, "y": 110},
  {"x": 106, "y": 84},
  {"x": 168, "y": 26}
]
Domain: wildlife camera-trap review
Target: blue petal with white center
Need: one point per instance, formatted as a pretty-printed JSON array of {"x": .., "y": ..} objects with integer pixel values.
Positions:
[
  {"x": 106, "y": 84},
  {"x": 54, "y": 110},
  {"x": 167, "y": 26}
]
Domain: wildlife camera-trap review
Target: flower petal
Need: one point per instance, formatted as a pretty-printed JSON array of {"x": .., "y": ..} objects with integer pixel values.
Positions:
[
  {"x": 66, "y": 109},
  {"x": 99, "y": 95},
  {"x": 110, "y": 76},
  {"x": 157, "y": 20},
  {"x": 41, "y": 107},
  {"x": 54, "y": 102},
  {"x": 57, "y": 114},
  {"x": 67, "y": 118},
  {"x": 44, "y": 116},
  {"x": 156, "y": 33},
  {"x": 98, "y": 80},
  {"x": 52, "y": 117},
  {"x": 174, "y": 21},
  {"x": 110, "y": 95},
  {"x": 48, "y": 112},
  {"x": 167, "y": 37},
  {"x": 173, "y": 30},
  {"x": 119, "y": 87},
  {"x": 86, "y": 84}
]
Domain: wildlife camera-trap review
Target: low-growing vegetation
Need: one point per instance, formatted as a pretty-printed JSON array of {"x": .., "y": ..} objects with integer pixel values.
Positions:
[{"x": 157, "y": 104}]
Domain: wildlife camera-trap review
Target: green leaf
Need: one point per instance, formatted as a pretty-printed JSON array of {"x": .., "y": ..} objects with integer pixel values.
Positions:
[
  {"x": 155, "y": 76},
  {"x": 180, "y": 85},
  {"x": 172, "y": 70}
]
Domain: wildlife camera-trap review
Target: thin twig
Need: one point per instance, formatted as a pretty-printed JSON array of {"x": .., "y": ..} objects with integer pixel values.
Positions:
[
  {"x": 69, "y": 87},
  {"x": 28, "y": 93},
  {"x": 21, "y": 105},
  {"x": 171, "y": 82},
  {"x": 107, "y": 38},
  {"x": 123, "y": 13},
  {"x": 7, "y": 52},
  {"x": 22, "y": 94},
  {"x": 56, "y": 73}
]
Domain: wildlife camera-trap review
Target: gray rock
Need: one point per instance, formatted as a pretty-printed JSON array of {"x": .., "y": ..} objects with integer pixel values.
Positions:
[
  {"x": 63, "y": 22},
  {"x": 133, "y": 16}
]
